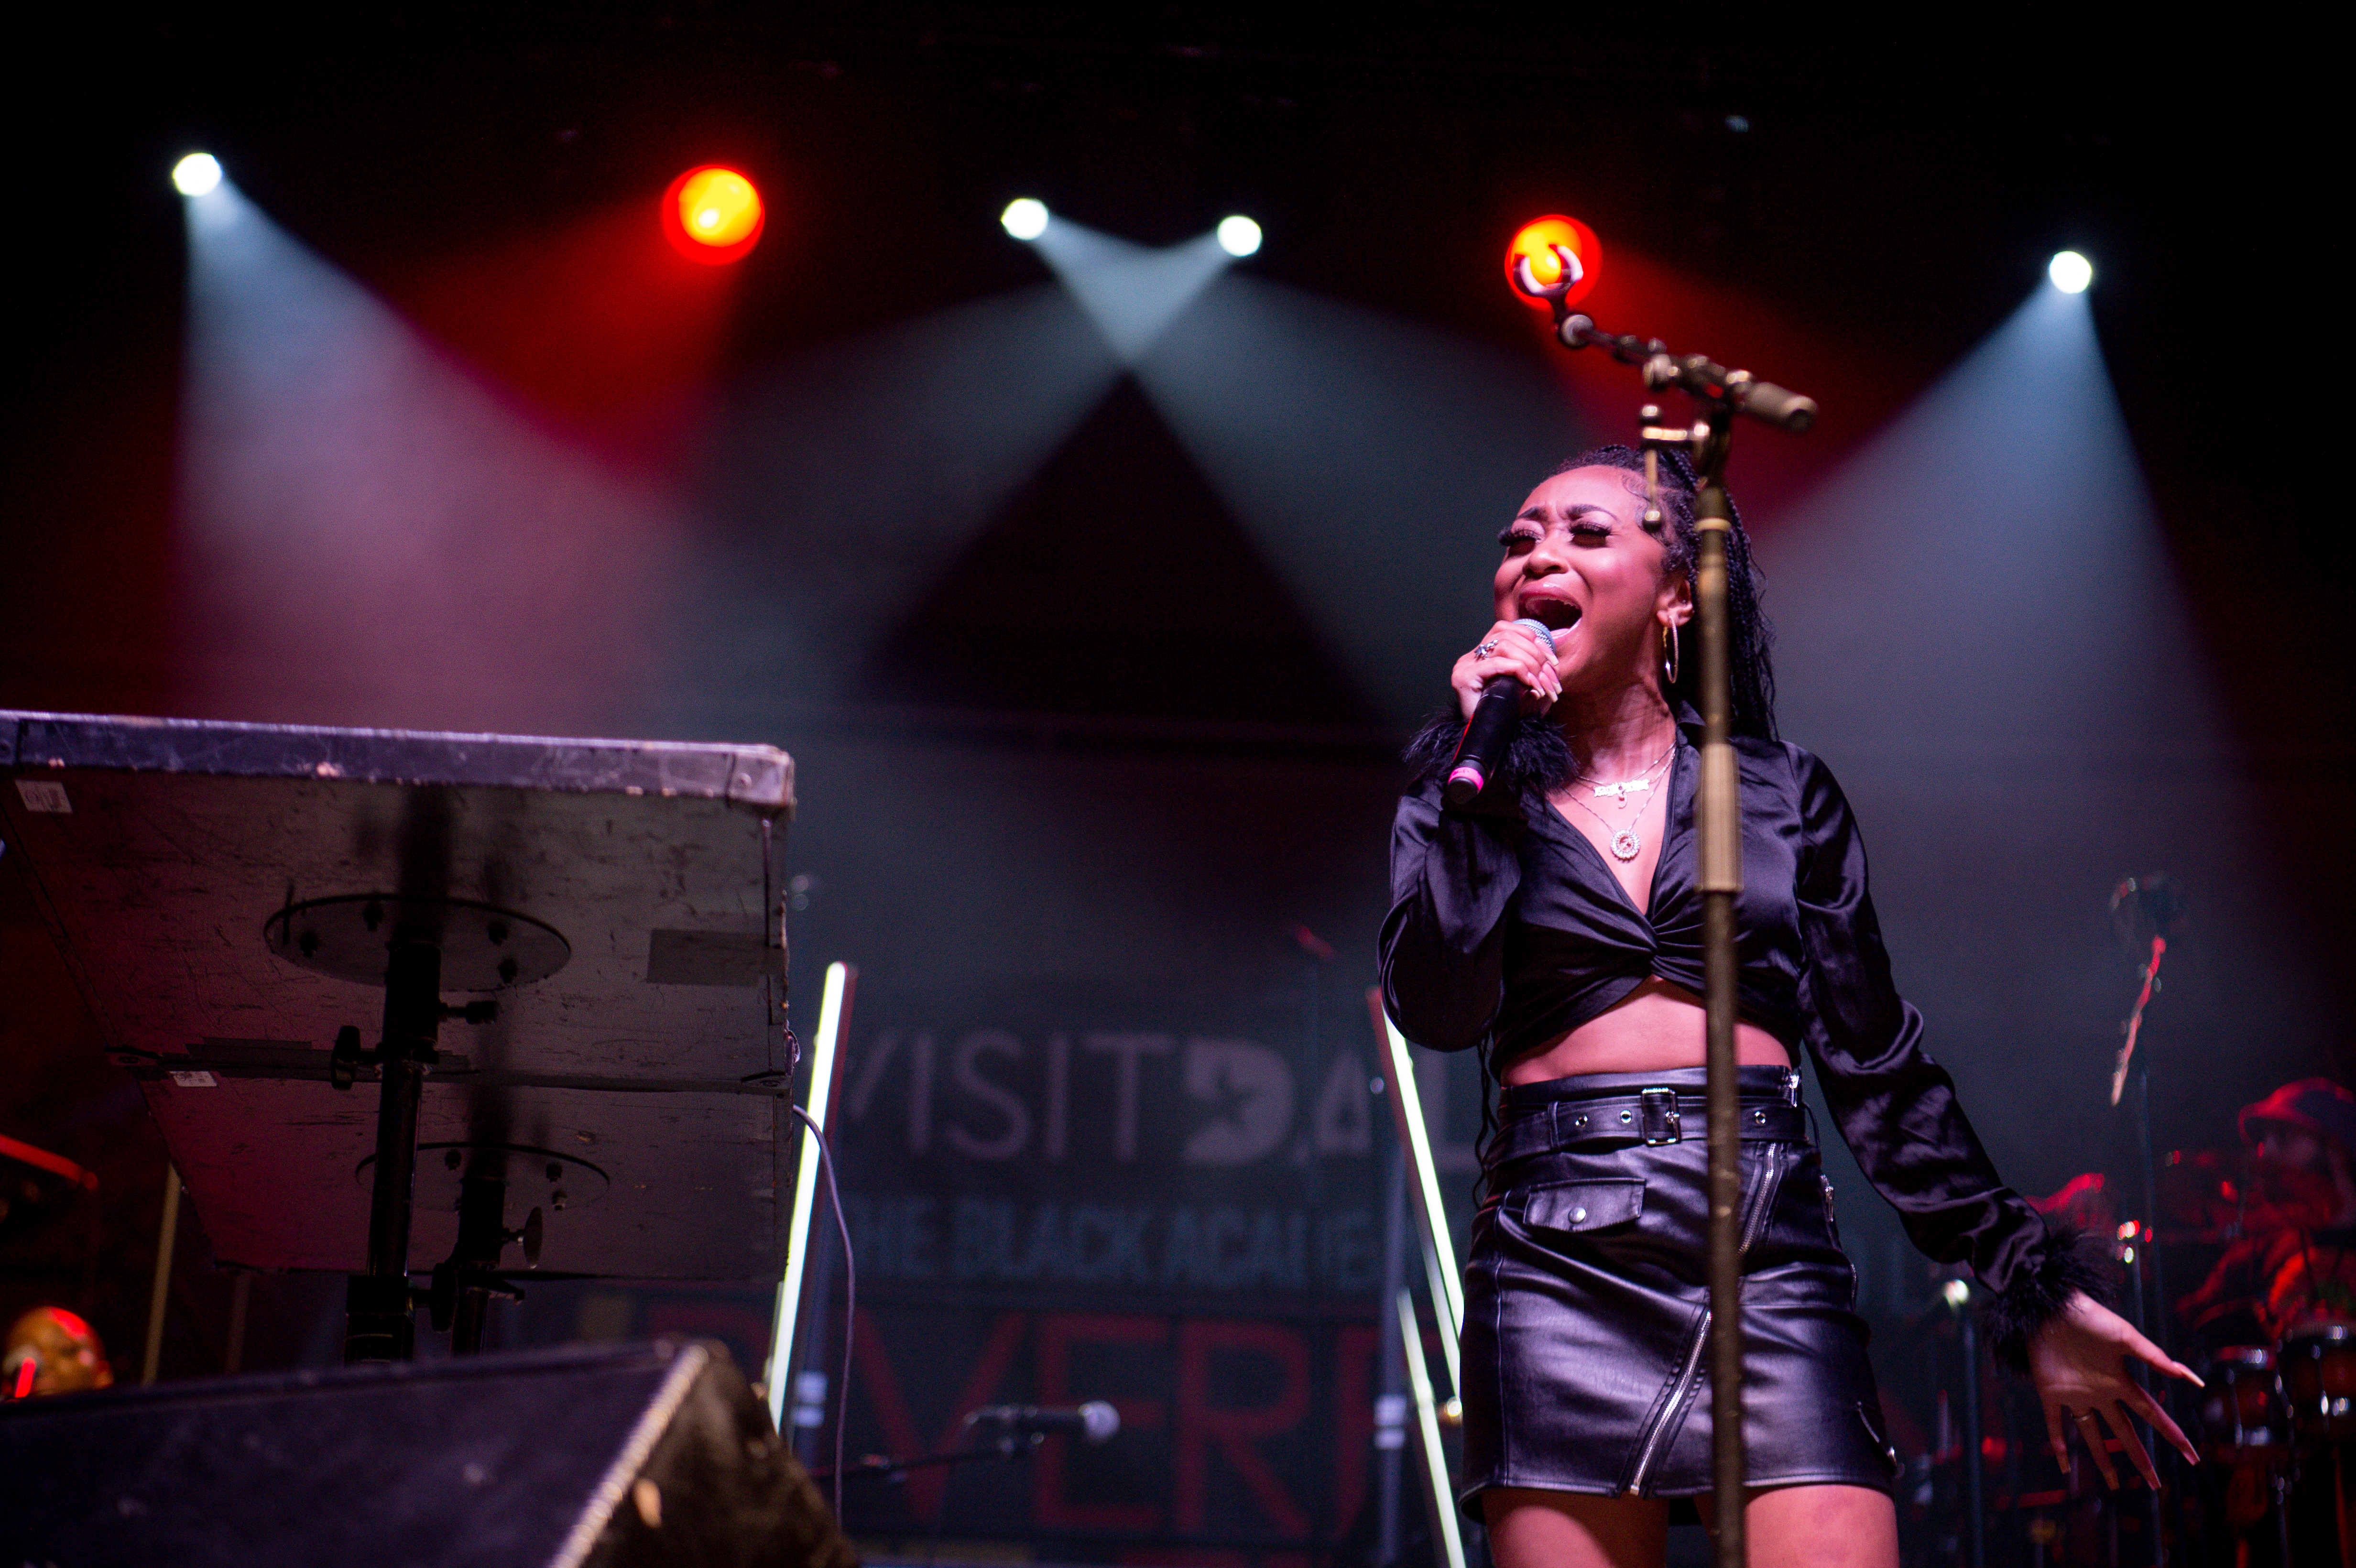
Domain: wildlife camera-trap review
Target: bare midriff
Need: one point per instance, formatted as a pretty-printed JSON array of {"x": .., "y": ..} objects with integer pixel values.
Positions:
[{"x": 1654, "y": 1028}]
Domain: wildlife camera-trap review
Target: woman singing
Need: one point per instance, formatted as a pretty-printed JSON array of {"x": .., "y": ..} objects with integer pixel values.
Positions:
[{"x": 1556, "y": 924}]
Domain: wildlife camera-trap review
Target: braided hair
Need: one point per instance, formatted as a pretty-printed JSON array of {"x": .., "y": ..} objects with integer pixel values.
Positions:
[{"x": 1751, "y": 675}]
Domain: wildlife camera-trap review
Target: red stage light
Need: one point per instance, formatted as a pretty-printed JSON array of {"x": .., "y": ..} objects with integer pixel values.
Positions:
[
  {"x": 713, "y": 214},
  {"x": 1537, "y": 239}
]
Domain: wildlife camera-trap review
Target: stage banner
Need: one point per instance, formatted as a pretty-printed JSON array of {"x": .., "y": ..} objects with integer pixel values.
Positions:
[{"x": 1166, "y": 1197}]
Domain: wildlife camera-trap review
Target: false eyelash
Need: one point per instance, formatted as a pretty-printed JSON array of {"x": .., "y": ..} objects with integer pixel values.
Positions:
[{"x": 1505, "y": 538}]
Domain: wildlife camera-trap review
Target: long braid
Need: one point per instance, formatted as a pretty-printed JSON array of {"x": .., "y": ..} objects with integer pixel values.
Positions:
[{"x": 1751, "y": 671}]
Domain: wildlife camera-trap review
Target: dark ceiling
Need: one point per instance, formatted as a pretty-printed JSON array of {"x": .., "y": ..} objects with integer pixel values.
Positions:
[{"x": 1895, "y": 197}]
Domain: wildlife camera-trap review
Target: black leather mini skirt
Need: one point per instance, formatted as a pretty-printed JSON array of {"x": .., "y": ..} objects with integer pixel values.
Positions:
[{"x": 1587, "y": 1298}]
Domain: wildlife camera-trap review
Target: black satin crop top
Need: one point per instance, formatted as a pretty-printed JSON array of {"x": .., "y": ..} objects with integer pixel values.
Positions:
[
  {"x": 1553, "y": 938},
  {"x": 1506, "y": 931}
]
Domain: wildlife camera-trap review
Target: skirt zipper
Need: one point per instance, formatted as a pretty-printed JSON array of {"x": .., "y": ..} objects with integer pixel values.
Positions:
[{"x": 1688, "y": 1375}]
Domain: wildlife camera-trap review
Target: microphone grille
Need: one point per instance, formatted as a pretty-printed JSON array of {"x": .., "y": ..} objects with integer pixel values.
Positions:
[{"x": 1539, "y": 629}]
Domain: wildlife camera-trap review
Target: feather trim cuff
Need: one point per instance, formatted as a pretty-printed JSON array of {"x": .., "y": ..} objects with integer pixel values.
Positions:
[
  {"x": 2072, "y": 1260},
  {"x": 1538, "y": 758}
]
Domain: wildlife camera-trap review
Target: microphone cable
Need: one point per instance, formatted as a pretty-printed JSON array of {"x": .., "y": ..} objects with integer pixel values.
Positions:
[
  {"x": 792, "y": 1042},
  {"x": 850, "y": 1299}
]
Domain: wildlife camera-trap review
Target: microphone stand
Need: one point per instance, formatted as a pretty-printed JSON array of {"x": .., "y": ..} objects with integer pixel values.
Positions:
[
  {"x": 1718, "y": 394},
  {"x": 2144, "y": 914},
  {"x": 893, "y": 1470}
]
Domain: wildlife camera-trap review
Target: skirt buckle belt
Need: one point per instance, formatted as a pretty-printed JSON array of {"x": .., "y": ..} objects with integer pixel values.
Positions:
[{"x": 1650, "y": 1116}]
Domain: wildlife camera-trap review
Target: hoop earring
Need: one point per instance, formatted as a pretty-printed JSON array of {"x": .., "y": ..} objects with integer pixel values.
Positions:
[{"x": 1670, "y": 662}]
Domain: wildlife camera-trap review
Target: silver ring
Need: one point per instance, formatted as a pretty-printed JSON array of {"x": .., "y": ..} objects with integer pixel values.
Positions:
[{"x": 1486, "y": 649}]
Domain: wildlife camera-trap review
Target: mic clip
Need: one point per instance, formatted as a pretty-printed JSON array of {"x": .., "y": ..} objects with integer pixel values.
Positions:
[{"x": 1697, "y": 375}]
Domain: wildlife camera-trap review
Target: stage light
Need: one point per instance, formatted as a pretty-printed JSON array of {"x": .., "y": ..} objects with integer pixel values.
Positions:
[
  {"x": 2071, "y": 271},
  {"x": 1538, "y": 242},
  {"x": 713, "y": 214},
  {"x": 197, "y": 174},
  {"x": 1025, "y": 218},
  {"x": 1238, "y": 236}
]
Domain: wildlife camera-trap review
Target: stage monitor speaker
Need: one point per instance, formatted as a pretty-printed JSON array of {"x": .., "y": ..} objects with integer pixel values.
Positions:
[{"x": 576, "y": 1458}]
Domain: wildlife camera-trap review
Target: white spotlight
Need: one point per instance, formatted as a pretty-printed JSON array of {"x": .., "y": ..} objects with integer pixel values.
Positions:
[
  {"x": 2071, "y": 271},
  {"x": 1024, "y": 218},
  {"x": 1238, "y": 236},
  {"x": 197, "y": 174}
]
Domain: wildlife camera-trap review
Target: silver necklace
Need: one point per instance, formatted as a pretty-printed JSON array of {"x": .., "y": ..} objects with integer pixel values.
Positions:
[{"x": 1625, "y": 845}]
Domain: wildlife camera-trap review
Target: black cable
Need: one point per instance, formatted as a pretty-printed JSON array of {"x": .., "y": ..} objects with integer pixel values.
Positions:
[{"x": 850, "y": 1299}]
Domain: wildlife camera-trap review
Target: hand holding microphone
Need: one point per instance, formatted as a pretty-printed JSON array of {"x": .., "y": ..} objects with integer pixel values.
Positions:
[
  {"x": 1512, "y": 668},
  {"x": 1522, "y": 649}
]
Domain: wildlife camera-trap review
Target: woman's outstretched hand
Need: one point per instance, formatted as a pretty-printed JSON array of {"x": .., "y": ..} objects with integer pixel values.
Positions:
[{"x": 2079, "y": 1362}]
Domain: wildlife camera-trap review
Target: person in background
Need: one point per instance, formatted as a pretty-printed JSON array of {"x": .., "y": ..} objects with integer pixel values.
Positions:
[
  {"x": 2295, "y": 1264},
  {"x": 51, "y": 1351}
]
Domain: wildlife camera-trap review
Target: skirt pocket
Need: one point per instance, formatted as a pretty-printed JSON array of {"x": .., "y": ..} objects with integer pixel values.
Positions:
[{"x": 1577, "y": 1206}]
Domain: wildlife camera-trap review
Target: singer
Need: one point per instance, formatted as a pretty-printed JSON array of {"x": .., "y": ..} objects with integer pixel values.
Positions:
[{"x": 1555, "y": 924}]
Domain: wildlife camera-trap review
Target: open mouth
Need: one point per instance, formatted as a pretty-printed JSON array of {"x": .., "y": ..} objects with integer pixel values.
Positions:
[{"x": 1555, "y": 615}]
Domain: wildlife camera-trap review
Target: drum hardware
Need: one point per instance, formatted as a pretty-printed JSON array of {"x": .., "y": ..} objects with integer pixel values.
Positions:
[
  {"x": 2244, "y": 1414},
  {"x": 2247, "y": 1430},
  {"x": 2277, "y": 1420},
  {"x": 2318, "y": 1374}
]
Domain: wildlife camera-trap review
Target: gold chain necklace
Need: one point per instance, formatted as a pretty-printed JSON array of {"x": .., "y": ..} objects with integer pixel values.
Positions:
[
  {"x": 1642, "y": 781},
  {"x": 1625, "y": 845}
]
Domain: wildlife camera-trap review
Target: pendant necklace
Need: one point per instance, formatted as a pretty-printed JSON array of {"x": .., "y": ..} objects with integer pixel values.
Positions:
[{"x": 1625, "y": 845}]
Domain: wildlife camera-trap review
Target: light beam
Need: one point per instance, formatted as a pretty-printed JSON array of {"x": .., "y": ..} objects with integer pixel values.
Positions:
[
  {"x": 1373, "y": 459},
  {"x": 1980, "y": 628},
  {"x": 368, "y": 534},
  {"x": 1131, "y": 293}
]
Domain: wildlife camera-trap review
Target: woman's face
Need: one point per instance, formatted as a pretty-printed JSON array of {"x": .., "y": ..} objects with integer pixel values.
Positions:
[{"x": 1578, "y": 557}]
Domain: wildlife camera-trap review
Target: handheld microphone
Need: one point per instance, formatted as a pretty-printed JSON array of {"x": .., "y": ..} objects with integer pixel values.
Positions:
[
  {"x": 1093, "y": 1422},
  {"x": 1490, "y": 730}
]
